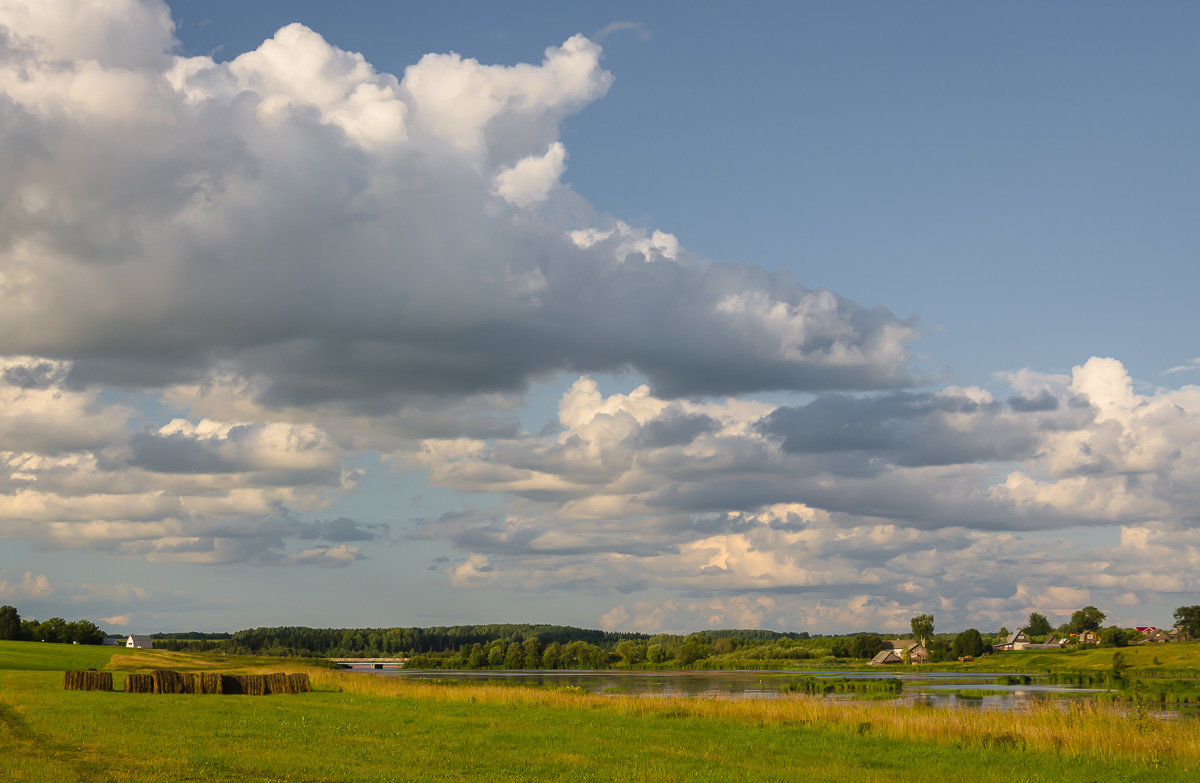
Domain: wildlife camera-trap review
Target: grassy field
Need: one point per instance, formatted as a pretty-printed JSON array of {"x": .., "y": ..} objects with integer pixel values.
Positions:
[
  {"x": 357, "y": 727},
  {"x": 1179, "y": 659}
]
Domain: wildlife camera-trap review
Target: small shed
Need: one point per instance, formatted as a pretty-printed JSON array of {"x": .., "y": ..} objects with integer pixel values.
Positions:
[{"x": 140, "y": 641}]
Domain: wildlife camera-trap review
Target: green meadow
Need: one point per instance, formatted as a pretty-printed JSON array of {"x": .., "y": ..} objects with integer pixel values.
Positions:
[{"x": 358, "y": 727}]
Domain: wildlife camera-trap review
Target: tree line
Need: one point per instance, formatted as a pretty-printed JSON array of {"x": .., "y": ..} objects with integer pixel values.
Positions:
[
  {"x": 56, "y": 629},
  {"x": 543, "y": 646}
]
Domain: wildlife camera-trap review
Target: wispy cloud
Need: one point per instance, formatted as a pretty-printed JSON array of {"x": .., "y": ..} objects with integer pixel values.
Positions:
[
  {"x": 1190, "y": 366},
  {"x": 637, "y": 28}
]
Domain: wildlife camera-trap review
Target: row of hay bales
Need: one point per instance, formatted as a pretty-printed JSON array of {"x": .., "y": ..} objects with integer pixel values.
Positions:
[
  {"x": 87, "y": 681},
  {"x": 165, "y": 681}
]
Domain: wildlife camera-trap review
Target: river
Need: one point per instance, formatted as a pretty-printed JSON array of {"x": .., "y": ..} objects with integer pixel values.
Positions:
[{"x": 938, "y": 689}]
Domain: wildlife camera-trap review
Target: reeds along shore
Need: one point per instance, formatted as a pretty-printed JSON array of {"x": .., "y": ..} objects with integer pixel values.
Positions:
[
  {"x": 165, "y": 681},
  {"x": 1083, "y": 728}
]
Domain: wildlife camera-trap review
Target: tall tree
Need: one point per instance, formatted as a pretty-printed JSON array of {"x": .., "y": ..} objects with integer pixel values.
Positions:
[
  {"x": 865, "y": 645},
  {"x": 1187, "y": 618},
  {"x": 1088, "y": 618},
  {"x": 969, "y": 642},
  {"x": 10, "y": 623},
  {"x": 922, "y": 628},
  {"x": 1038, "y": 625}
]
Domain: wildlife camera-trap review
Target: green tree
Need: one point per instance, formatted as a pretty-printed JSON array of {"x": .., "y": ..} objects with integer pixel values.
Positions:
[
  {"x": 657, "y": 653},
  {"x": 52, "y": 630},
  {"x": 922, "y": 628},
  {"x": 478, "y": 657},
  {"x": 552, "y": 656},
  {"x": 514, "y": 656},
  {"x": 533, "y": 653},
  {"x": 1088, "y": 618},
  {"x": 865, "y": 645},
  {"x": 1038, "y": 625},
  {"x": 724, "y": 646},
  {"x": 1188, "y": 618},
  {"x": 692, "y": 650},
  {"x": 1114, "y": 637},
  {"x": 10, "y": 623},
  {"x": 969, "y": 642},
  {"x": 84, "y": 632},
  {"x": 1119, "y": 665},
  {"x": 631, "y": 652}
]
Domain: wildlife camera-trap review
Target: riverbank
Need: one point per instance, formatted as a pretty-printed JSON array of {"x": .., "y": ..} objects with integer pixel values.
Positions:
[{"x": 357, "y": 727}]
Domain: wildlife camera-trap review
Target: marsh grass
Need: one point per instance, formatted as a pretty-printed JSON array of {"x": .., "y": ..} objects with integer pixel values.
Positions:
[
  {"x": 1078, "y": 728},
  {"x": 821, "y": 686}
]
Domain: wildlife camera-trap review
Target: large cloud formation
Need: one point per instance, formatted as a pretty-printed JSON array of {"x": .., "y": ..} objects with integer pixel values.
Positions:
[
  {"x": 298, "y": 217},
  {"x": 848, "y": 511},
  {"x": 222, "y": 281},
  {"x": 300, "y": 257}
]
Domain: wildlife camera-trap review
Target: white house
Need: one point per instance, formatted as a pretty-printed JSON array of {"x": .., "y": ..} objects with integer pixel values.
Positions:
[{"x": 140, "y": 641}]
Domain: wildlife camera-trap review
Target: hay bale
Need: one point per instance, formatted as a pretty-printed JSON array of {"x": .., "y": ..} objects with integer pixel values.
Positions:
[
  {"x": 91, "y": 680},
  {"x": 98, "y": 681},
  {"x": 208, "y": 682},
  {"x": 298, "y": 683},
  {"x": 275, "y": 683},
  {"x": 255, "y": 684},
  {"x": 139, "y": 683},
  {"x": 191, "y": 682},
  {"x": 166, "y": 681},
  {"x": 231, "y": 684}
]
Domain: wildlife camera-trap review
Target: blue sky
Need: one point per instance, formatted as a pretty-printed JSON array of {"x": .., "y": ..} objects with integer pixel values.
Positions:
[{"x": 327, "y": 331}]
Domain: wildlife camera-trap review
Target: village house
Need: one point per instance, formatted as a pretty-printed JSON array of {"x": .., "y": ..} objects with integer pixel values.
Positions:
[
  {"x": 1087, "y": 637},
  {"x": 1180, "y": 634},
  {"x": 1158, "y": 636},
  {"x": 895, "y": 650},
  {"x": 1015, "y": 641},
  {"x": 1052, "y": 643},
  {"x": 140, "y": 642}
]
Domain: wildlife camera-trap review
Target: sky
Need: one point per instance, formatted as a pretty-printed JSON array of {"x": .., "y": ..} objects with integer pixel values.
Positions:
[{"x": 649, "y": 317}]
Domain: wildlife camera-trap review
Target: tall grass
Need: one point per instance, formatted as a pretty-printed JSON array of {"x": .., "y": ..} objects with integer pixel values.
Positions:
[{"x": 1083, "y": 729}]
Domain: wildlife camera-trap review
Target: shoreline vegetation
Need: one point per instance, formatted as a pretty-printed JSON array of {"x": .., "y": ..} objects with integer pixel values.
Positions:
[{"x": 359, "y": 727}]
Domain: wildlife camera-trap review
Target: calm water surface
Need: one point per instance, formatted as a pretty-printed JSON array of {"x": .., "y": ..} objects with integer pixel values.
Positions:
[{"x": 924, "y": 687}]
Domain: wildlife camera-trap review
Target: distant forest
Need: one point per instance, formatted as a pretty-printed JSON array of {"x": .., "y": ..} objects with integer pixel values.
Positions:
[{"x": 515, "y": 645}]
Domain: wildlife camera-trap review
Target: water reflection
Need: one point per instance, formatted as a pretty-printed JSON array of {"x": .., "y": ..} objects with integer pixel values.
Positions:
[{"x": 938, "y": 689}]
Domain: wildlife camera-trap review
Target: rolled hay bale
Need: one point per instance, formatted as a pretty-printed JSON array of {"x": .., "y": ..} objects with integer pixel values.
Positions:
[
  {"x": 255, "y": 684},
  {"x": 275, "y": 683},
  {"x": 97, "y": 681},
  {"x": 231, "y": 684},
  {"x": 208, "y": 682},
  {"x": 166, "y": 681},
  {"x": 190, "y": 681},
  {"x": 91, "y": 680},
  {"x": 139, "y": 683},
  {"x": 298, "y": 683}
]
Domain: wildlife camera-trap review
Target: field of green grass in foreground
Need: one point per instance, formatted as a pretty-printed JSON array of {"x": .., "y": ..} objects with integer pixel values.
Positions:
[{"x": 357, "y": 727}]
